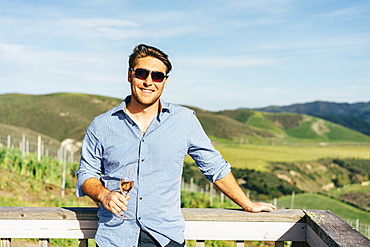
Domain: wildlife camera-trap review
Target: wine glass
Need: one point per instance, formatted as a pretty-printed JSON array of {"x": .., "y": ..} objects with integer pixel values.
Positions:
[{"x": 126, "y": 184}]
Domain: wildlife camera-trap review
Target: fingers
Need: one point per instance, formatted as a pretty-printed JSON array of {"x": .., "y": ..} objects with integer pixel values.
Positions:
[
  {"x": 266, "y": 207},
  {"x": 269, "y": 207},
  {"x": 115, "y": 202},
  {"x": 117, "y": 205},
  {"x": 261, "y": 206}
]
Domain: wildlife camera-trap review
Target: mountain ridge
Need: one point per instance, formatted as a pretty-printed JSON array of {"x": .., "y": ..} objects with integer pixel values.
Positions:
[{"x": 355, "y": 116}]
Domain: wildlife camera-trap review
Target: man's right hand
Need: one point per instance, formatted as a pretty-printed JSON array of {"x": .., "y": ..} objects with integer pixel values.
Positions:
[{"x": 113, "y": 201}]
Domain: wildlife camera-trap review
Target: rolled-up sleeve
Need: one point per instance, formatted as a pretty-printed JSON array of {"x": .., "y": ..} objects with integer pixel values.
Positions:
[
  {"x": 91, "y": 157},
  {"x": 208, "y": 159}
]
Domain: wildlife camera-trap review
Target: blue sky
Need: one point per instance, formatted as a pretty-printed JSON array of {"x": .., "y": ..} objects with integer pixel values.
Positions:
[{"x": 225, "y": 54}]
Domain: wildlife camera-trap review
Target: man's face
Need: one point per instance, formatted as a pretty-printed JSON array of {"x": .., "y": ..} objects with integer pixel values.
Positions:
[{"x": 146, "y": 92}]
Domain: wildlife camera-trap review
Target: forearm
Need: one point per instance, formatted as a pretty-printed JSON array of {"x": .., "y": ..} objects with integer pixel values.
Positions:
[
  {"x": 230, "y": 187},
  {"x": 111, "y": 200},
  {"x": 94, "y": 189}
]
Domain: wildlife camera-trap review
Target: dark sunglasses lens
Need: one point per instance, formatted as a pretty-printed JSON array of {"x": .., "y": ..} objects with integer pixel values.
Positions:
[
  {"x": 157, "y": 76},
  {"x": 141, "y": 74}
]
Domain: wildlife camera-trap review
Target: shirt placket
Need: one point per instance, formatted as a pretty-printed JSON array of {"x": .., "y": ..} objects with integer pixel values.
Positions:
[
  {"x": 140, "y": 177},
  {"x": 143, "y": 155}
]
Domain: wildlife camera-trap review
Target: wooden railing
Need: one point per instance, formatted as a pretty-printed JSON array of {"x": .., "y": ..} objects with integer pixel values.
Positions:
[{"x": 302, "y": 227}]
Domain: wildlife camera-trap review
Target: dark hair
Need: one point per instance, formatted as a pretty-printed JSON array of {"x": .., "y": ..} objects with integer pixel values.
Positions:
[{"x": 142, "y": 51}]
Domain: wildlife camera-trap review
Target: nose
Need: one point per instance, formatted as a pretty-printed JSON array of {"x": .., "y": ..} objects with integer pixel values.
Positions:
[{"x": 148, "y": 81}]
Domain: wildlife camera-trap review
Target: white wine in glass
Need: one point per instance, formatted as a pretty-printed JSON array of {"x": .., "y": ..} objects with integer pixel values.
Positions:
[{"x": 126, "y": 184}]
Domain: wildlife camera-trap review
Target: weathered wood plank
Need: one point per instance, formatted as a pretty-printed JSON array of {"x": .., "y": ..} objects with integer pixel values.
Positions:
[
  {"x": 333, "y": 230},
  {"x": 251, "y": 231},
  {"x": 319, "y": 227},
  {"x": 238, "y": 215},
  {"x": 48, "y": 213},
  {"x": 48, "y": 229},
  {"x": 194, "y": 214}
]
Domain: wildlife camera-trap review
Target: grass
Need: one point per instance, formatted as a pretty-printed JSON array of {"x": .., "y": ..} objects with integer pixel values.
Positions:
[
  {"x": 353, "y": 188},
  {"x": 320, "y": 202},
  {"x": 257, "y": 156},
  {"x": 18, "y": 191}
]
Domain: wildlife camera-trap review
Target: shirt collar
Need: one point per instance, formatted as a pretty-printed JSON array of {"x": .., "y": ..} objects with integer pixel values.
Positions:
[{"x": 165, "y": 107}]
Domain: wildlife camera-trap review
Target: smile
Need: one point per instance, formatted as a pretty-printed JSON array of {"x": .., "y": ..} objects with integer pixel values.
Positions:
[{"x": 147, "y": 90}]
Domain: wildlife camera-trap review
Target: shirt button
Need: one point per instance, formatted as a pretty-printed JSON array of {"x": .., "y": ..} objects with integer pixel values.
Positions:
[
  {"x": 141, "y": 179},
  {"x": 141, "y": 198},
  {"x": 139, "y": 218},
  {"x": 142, "y": 160},
  {"x": 143, "y": 140}
]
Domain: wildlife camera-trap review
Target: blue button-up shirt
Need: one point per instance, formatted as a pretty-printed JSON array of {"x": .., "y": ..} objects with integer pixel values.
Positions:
[{"x": 113, "y": 139}]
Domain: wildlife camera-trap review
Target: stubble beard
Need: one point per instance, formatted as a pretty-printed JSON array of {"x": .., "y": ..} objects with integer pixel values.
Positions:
[{"x": 142, "y": 102}]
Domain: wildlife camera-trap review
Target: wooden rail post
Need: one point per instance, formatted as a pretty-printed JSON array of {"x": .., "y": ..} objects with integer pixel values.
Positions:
[
  {"x": 239, "y": 243},
  {"x": 64, "y": 172},
  {"x": 200, "y": 243},
  {"x": 8, "y": 142},
  {"x": 39, "y": 148},
  {"x": 292, "y": 200},
  {"x": 43, "y": 242},
  {"x": 83, "y": 243},
  {"x": 5, "y": 242},
  {"x": 23, "y": 146},
  {"x": 279, "y": 244}
]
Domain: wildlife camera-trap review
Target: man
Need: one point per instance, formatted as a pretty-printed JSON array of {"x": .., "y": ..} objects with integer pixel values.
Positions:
[{"x": 157, "y": 136}]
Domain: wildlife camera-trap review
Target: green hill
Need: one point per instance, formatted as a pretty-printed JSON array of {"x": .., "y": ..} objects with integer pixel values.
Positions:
[
  {"x": 285, "y": 128},
  {"x": 67, "y": 115},
  {"x": 61, "y": 115},
  {"x": 355, "y": 116}
]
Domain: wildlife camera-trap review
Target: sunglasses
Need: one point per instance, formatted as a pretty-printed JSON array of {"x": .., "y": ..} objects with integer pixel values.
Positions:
[{"x": 142, "y": 74}]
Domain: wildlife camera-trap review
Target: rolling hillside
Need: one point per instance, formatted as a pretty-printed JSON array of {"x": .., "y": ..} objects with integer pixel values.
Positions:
[
  {"x": 354, "y": 116},
  {"x": 61, "y": 116},
  {"x": 67, "y": 115},
  {"x": 285, "y": 128}
]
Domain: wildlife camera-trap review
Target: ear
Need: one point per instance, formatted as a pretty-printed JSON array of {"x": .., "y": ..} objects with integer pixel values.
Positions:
[
  {"x": 129, "y": 76},
  {"x": 165, "y": 82}
]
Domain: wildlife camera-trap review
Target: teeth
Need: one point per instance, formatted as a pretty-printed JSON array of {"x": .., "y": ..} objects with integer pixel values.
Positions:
[{"x": 147, "y": 91}]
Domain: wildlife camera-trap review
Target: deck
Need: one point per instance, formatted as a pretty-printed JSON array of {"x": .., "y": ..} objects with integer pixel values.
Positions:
[{"x": 302, "y": 227}]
